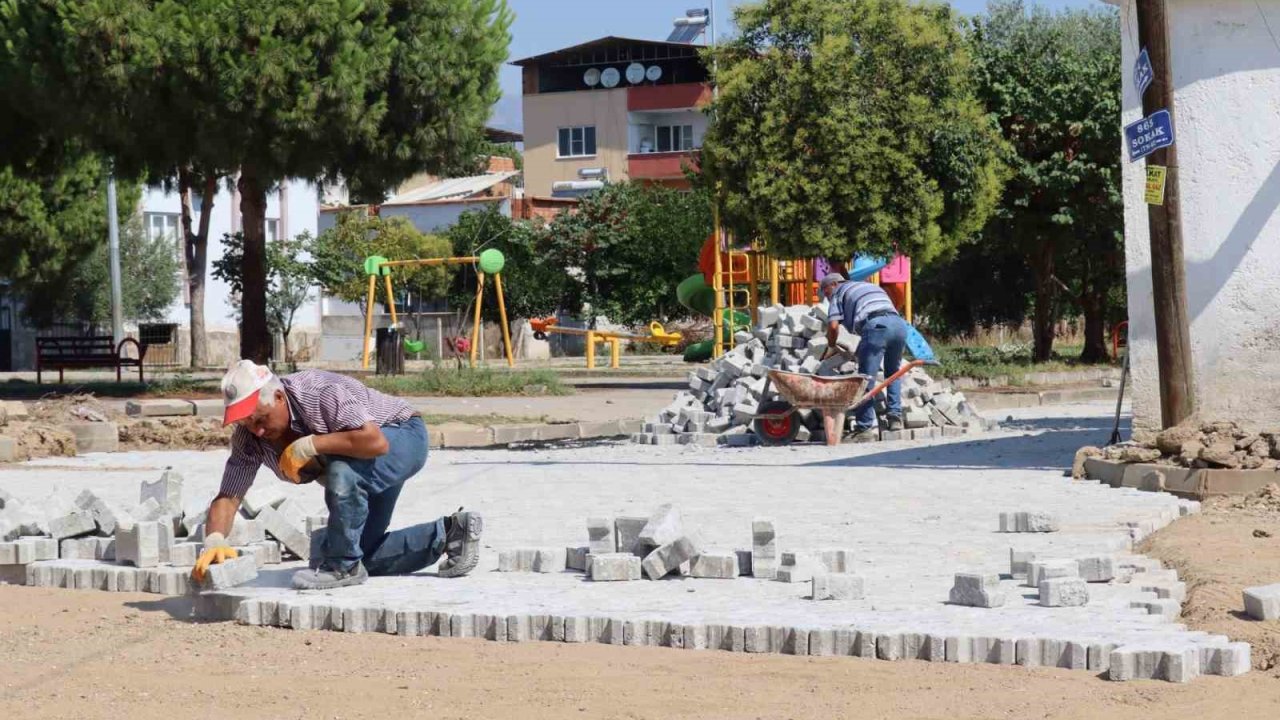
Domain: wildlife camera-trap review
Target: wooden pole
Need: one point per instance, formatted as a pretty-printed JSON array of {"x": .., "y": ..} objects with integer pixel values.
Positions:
[
  {"x": 477, "y": 336},
  {"x": 1168, "y": 272},
  {"x": 368, "y": 319},
  {"x": 502, "y": 315}
]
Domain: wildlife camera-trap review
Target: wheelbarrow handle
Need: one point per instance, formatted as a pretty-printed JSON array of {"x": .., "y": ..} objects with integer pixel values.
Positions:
[{"x": 886, "y": 383}]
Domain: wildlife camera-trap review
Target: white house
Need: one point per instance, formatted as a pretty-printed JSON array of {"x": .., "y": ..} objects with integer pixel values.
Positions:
[
  {"x": 1226, "y": 76},
  {"x": 291, "y": 210}
]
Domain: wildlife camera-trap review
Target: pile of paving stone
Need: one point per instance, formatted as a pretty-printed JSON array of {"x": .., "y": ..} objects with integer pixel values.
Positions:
[
  {"x": 654, "y": 547},
  {"x": 1222, "y": 445},
  {"x": 724, "y": 397},
  {"x": 91, "y": 543}
]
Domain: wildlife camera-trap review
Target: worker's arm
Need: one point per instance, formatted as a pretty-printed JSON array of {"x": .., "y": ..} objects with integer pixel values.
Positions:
[
  {"x": 833, "y": 333},
  {"x": 222, "y": 513}
]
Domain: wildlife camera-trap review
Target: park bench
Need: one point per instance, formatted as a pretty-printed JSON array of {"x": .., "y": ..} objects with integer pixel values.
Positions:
[{"x": 92, "y": 351}]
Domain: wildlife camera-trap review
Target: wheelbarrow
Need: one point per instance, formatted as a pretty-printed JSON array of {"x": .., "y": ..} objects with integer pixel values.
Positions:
[{"x": 777, "y": 423}]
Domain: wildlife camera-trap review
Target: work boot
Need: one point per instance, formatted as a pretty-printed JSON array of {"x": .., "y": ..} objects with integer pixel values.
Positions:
[
  {"x": 461, "y": 544},
  {"x": 893, "y": 422},
  {"x": 864, "y": 435},
  {"x": 328, "y": 578}
]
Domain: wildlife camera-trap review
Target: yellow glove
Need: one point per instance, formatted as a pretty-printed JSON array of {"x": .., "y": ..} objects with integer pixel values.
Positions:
[
  {"x": 216, "y": 551},
  {"x": 296, "y": 456}
]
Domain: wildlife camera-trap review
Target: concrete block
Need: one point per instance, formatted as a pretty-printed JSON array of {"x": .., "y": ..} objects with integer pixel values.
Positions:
[
  {"x": 601, "y": 429},
  {"x": 744, "y": 562},
  {"x": 1040, "y": 570},
  {"x": 1019, "y": 560},
  {"x": 615, "y": 566},
  {"x": 244, "y": 531},
  {"x": 764, "y": 548},
  {"x": 1166, "y": 608},
  {"x": 837, "y": 586},
  {"x": 668, "y": 557},
  {"x": 467, "y": 437},
  {"x": 167, "y": 491},
  {"x": 73, "y": 524},
  {"x": 148, "y": 510},
  {"x": 1064, "y": 592},
  {"x": 600, "y": 535},
  {"x": 139, "y": 545},
  {"x": 1165, "y": 589},
  {"x": 1262, "y": 602},
  {"x": 719, "y": 565},
  {"x": 162, "y": 407},
  {"x": 8, "y": 450},
  {"x": 576, "y": 558},
  {"x": 977, "y": 590},
  {"x": 1040, "y": 522},
  {"x": 261, "y": 495},
  {"x": 1148, "y": 662},
  {"x": 231, "y": 573},
  {"x": 1229, "y": 660},
  {"x": 664, "y": 526},
  {"x": 184, "y": 554},
  {"x": 95, "y": 436},
  {"x": 291, "y": 536},
  {"x": 106, "y": 515}
]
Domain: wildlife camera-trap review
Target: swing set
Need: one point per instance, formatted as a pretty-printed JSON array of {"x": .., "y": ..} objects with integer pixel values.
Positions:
[{"x": 489, "y": 262}]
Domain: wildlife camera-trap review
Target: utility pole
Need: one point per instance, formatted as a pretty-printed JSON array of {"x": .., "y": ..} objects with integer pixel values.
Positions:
[
  {"x": 113, "y": 245},
  {"x": 1168, "y": 273}
]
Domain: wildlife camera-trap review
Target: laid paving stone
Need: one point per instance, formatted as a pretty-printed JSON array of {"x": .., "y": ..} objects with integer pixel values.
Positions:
[
  {"x": 1096, "y": 568},
  {"x": 977, "y": 590},
  {"x": 139, "y": 545}
]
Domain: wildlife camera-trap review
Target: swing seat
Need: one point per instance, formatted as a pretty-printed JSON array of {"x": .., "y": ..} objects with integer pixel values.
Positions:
[{"x": 414, "y": 346}]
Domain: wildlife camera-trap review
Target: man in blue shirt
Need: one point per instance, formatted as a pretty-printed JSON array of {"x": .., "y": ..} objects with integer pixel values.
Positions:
[{"x": 865, "y": 310}]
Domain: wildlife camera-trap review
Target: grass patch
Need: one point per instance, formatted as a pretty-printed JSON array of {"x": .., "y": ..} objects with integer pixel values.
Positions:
[
  {"x": 1010, "y": 363},
  {"x": 470, "y": 382},
  {"x": 179, "y": 386}
]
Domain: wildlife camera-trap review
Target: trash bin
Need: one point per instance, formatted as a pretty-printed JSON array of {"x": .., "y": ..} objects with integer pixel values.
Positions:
[{"x": 390, "y": 352}]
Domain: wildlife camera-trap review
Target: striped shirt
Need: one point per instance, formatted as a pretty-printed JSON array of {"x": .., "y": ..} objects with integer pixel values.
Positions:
[
  {"x": 320, "y": 402},
  {"x": 853, "y": 302}
]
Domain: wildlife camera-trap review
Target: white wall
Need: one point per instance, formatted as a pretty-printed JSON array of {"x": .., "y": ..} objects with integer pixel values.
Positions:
[
  {"x": 1226, "y": 73},
  {"x": 302, "y": 211}
]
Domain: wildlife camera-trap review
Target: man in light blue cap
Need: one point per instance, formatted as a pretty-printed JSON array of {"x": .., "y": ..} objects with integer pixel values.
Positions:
[{"x": 866, "y": 310}]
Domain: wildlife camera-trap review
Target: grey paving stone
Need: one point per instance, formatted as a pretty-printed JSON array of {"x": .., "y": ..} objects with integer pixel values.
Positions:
[
  {"x": 576, "y": 558},
  {"x": 837, "y": 586},
  {"x": 1262, "y": 602},
  {"x": 290, "y": 535},
  {"x": 667, "y": 558},
  {"x": 627, "y": 531},
  {"x": 166, "y": 491},
  {"x": 600, "y": 535},
  {"x": 1096, "y": 568},
  {"x": 139, "y": 545},
  {"x": 764, "y": 548},
  {"x": 615, "y": 566},
  {"x": 977, "y": 590},
  {"x": 1064, "y": 592},
  {"x": 231, "y": 573},
  {"x": 664, "y": 526},
  {"x": 73, "y": 524},
  {"x": 718, "y": 565}
]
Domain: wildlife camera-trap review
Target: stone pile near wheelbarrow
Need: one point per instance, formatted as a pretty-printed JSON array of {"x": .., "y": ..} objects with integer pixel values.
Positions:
[
  {"x": 91, "y": 543},
  {"x": 726, "y": 396}
]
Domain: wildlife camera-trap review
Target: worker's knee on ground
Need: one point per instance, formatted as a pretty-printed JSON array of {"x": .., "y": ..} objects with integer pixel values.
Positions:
[{"x": 340, "y": 478}]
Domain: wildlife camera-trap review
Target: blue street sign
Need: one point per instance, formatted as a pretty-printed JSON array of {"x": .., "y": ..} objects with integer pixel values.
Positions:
[
  {"x": 1148, "y": 134},
  {"x": 1143, "y": 73}
]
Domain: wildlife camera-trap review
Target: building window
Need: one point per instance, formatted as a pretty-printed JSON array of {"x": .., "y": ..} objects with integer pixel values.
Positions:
[
  {"x": 577, "y": 141},
  {"x": 273, "y": 230},
  {"x": 165, "y": 225},
  {"x": 675, "y": 138}
]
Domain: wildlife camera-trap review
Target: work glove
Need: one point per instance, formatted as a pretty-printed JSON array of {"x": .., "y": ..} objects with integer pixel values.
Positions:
[
  {"x": 296, "y": 456},
  {"x": 216, "y": 551}
]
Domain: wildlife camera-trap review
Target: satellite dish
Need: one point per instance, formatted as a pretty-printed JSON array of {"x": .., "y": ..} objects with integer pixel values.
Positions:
[
  {"x": 610, "y": 77},
  {"x": 653, "y": 73},
  {"x": 635, "y": 73},
  {"x": 591, "y": 77}
]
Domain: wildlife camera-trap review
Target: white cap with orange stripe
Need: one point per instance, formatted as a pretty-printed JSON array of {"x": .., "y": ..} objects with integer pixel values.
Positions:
[{"x": 240, "y": 388}]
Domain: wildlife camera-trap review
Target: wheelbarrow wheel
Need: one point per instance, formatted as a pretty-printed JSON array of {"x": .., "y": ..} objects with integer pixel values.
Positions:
[{"x": 776, "y": 430}]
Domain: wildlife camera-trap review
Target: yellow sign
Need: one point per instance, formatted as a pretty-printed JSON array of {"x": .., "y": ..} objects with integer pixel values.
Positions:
[{"x": 1155, "y": 184}]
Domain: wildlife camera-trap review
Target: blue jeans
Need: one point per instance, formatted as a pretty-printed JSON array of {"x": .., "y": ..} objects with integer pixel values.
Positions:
[
  {"x": 362, "y": 494},
  {"x": 883, "y": 339}
]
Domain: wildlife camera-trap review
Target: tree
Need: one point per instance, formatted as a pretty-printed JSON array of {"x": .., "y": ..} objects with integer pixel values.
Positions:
[
  {"x": 148, "y": 269},
  {"x": 371, "y": 91},
  {"x": 630, "y": 245},
  {"x": 289, "y": 278},
  {"x": 849, "y": 126},
  {"x": 339, "y": 253},
  {"x": 532, "y": 287},
  {"x": 53, "y": 218},
  {"x": 1052, "y": 82}
]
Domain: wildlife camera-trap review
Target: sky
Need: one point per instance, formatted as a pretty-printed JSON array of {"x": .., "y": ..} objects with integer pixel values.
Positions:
[{"x": 544, "y": 25}]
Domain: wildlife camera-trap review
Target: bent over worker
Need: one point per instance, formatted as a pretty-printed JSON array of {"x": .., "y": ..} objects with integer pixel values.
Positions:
[
  {"x": 360, "y": 446},
  {"x": 866, "y": 310}
]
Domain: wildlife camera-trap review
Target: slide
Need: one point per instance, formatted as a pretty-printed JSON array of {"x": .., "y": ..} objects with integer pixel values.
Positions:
[{"x": 695, "y": 294}]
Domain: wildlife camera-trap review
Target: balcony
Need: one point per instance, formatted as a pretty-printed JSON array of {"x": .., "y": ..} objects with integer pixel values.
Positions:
[
  {"x": 660, "y": 166},
  {"x": 642, "y": 98}
]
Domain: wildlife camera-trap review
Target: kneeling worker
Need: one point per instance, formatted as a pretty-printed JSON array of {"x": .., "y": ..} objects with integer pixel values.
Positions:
[{"x": 360, "y": 446}]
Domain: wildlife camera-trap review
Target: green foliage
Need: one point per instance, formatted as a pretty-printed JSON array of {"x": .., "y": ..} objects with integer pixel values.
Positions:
[
  {"x": 338, "y": 257},
  {"x": 288, "y": 277},
  {"x": 629, "y": 244},
  {"x": 531, "y": 286},
  {"x": 1052, "y": 82},
  {"x": 53, "y": 217},
  {"x": 149, "y": 271},
  {"x": 471, "y": 382},
  {"x": 848, "y": 126}
]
